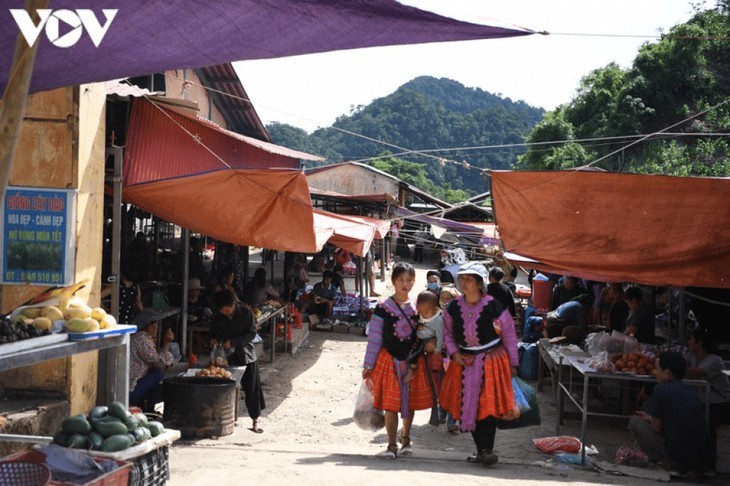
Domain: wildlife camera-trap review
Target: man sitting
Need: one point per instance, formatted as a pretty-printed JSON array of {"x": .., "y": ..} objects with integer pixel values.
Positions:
[
  {"x": 673, "y": 428},
  {"x": 323, "y": 297}
]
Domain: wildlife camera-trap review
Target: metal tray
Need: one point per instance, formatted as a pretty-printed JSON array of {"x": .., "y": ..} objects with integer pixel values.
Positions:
[
  {"x": 26, "y": 344},
  {"x": 101, "y": 334}
]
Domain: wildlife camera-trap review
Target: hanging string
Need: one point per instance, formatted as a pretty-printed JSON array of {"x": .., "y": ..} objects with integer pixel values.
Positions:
[{"x": 639, "y": 36}]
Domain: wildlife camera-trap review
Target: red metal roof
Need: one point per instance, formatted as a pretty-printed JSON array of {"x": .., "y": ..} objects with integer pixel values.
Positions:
[
  {"x": 231, "y": 98},
  {"x": 164, "y": 143}
]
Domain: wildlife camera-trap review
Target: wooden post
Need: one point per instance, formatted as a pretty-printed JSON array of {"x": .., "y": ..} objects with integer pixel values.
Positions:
[{"x": 15, "y": 97}]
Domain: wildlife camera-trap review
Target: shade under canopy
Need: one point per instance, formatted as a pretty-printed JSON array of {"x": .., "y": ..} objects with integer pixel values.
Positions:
[
  {"x": 148, "y": 36},
  {"x": 648, "y": 229}
]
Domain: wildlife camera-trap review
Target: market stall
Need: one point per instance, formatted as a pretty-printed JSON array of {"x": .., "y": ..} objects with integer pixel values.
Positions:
[
  {"x": 55, "y": 324},
  {"x": 579, "y": 373}
]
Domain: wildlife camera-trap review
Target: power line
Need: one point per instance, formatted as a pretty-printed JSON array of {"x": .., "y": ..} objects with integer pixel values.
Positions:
[
  {"x": 442, "y": 160},
  {"x": 616, "y": 139},
  {"x": 689, "y": 118}
]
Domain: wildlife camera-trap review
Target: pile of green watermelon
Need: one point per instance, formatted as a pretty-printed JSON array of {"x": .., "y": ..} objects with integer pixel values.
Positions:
[{"x": 107, "y": 429}]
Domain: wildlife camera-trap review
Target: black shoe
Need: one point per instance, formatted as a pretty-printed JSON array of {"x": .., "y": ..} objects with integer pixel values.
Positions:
[{"x": 488, "y": 458}]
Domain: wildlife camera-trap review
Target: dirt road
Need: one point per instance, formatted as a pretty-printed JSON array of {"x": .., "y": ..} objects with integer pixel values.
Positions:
[{"x": 309, "y": 436}]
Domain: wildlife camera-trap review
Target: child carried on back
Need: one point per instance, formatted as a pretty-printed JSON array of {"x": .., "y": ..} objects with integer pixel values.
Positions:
[{"x": 430, "y": 326}]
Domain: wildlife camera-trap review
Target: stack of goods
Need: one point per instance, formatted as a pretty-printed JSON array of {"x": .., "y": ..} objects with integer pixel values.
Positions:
[
  {"x": 635, "y": 363},
  {"x": 214, "y": 372},
  {"x": 349, "y": 305},
  {"x": 107, "y": 429}
]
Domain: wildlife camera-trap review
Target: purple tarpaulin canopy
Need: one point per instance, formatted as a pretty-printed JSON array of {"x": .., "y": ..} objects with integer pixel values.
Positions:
[{"x": 149, "y": 36}]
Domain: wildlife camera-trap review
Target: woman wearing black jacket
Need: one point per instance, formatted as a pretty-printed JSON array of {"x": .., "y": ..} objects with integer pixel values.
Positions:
[{"x": 234, "y": 327}]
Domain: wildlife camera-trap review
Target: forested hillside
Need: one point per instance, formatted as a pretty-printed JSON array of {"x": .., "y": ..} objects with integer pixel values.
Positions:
[
  {"x": 425, "y": 114},
  {"x": 667, "y": 89},
  {"x": 669, "y": 113}
]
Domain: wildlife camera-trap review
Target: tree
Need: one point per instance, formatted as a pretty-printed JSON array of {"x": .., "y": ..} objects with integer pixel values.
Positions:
[
  {"x": 427, "y": 114},
  {"x": 670, "y": 81}
]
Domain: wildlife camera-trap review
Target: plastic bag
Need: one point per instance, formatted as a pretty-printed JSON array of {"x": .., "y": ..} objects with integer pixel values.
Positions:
[
  {"x": 602, "y": 363},
  {"x": 561, "y": 443},
  {"x": 218, "y": 357},
  {"x": 597, "y": 343},
  {"x": 633, "y": 456},
  {"x": 366, "y": 416},
  {"x": 566, "y": 458},
  {"x": 523, "y": 418},
  {"x": 520, "y": 398},
  {"x": 631, "y": 345}
]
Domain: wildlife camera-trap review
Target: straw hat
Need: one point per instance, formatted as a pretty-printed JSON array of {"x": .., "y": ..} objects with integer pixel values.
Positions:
[{"x": 194, "y": 284}]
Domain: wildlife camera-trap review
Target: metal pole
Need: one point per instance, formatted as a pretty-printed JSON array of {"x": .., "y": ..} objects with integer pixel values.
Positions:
[
  {"x": 366, "y": 282},
  {"x": 682, "y": 317},
  {"x": 271, "y": 273},
  {"x": 669, "y": 314},
  {"x": 246, "y": 262},
  {"x": 115, "y": 275},
  {"x": 383, "y": 259},
  {"x": 185, "y": 250}
]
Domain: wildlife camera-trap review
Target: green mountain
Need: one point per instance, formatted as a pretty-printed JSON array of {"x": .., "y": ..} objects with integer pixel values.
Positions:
[{"x": 426, "y": 114}]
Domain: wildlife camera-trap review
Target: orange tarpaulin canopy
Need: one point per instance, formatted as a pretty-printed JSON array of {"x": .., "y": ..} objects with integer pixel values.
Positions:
[
  {"x": 263, "y": 208},
  {"x": 382, "y": 226},
  {"x": 351, "y": 233},
  {"x": 648, "y": 229},
  {"x": 215, "y": 182}
]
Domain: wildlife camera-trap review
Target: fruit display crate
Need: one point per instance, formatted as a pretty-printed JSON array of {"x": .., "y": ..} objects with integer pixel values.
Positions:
[
  {"x": 150, "y": 459},
  {"x": 118, "y": 477}
]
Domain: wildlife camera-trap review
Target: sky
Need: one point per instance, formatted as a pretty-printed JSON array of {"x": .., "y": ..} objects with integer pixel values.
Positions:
[{"x": 311, "y": 91}]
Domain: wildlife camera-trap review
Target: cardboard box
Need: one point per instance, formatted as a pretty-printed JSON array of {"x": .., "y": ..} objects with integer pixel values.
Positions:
[
  {"x": 357, "y": 330},
  {"x": 341, "y": 328}
]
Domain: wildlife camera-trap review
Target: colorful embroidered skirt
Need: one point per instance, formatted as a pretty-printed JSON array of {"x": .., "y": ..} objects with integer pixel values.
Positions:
[
  {"x": 388, "y": 387},
  {"x": 492, "y": 396}
]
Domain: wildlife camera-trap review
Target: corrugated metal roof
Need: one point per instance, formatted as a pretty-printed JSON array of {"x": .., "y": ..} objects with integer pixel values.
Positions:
[
  {"x": 162, "y": 143},
  {"x": 405, "y": 185},
  {"x": 232, "y": 100},
  {"x": 377, "y": 198},
  {"x": 267, "y": 146}
]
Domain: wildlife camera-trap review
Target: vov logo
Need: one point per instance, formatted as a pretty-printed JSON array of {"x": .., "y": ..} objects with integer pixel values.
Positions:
[{"x": 77, "y": 21}]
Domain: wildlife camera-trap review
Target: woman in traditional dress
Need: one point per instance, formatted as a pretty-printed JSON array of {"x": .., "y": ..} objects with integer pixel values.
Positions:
[
  {"x": 479, "y": 335},
  {"x": 391, "y": 336}
]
